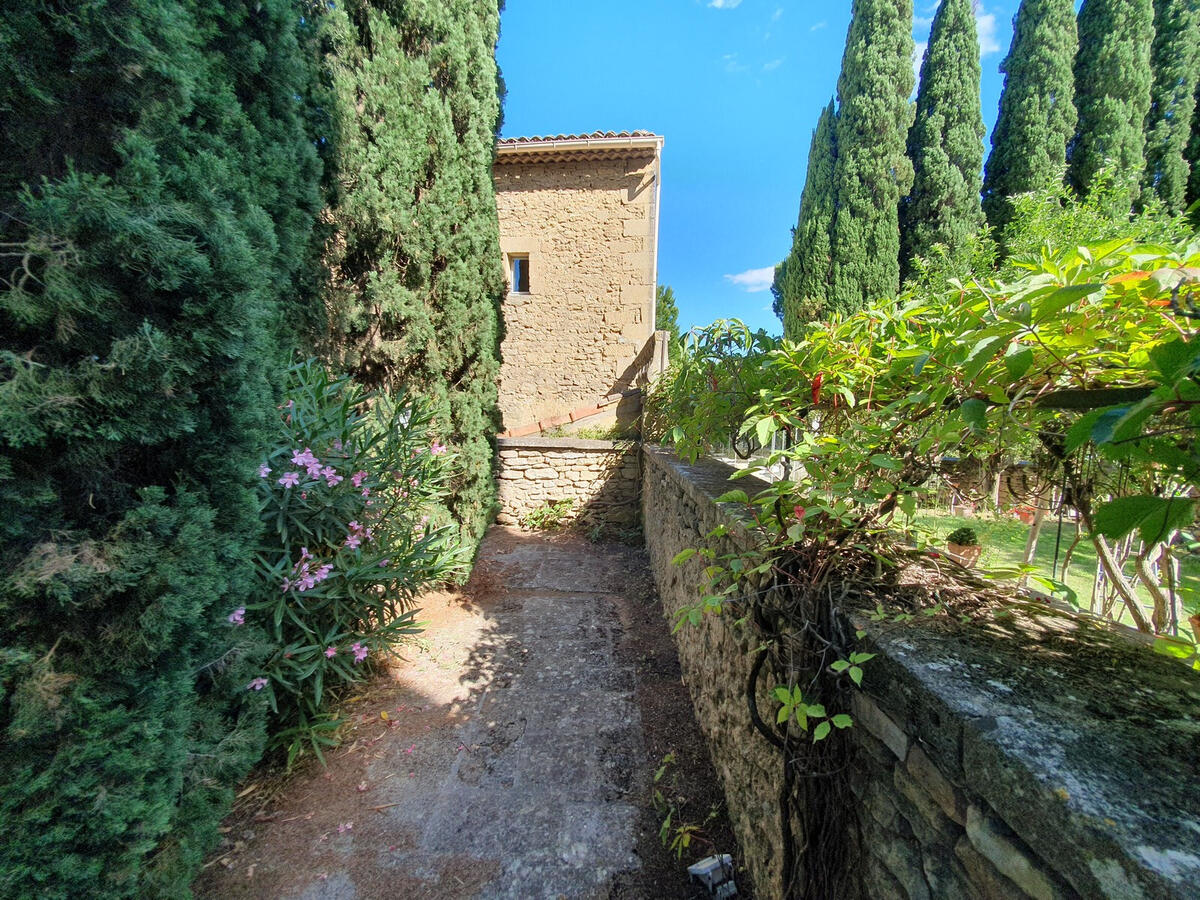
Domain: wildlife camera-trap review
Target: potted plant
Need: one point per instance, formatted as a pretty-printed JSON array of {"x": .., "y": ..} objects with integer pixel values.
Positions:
[{"x": 962, "y": 546}]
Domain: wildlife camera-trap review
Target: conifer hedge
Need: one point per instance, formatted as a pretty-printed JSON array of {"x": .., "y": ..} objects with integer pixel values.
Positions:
[
  {"x": 157, "y": 192},
  {"x": 413, "y": 239}
]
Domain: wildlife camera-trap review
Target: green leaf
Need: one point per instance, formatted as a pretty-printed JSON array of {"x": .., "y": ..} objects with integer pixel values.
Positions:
[
  {"x": 856, "y": 675},
  {"x": 841, "y": 720},
  {"x": 785, "y": 713},
  {"x": 735, "y": 496},
  {"x": 982, "y": 353},
  {"x": 974, "y": 413},
  {"x": 821, "y": 732},
  {"x": 1081, "y": 432},
  {"x": 1177, "y": 648},
  {"x": 782, "y": 694},
  {"x": 1106, "y": 423},
  {"x": 1154, "y": 517},
  {"x": 840, "y": 665},
  {"x": 765, "y": 428},
  {"x": 816, "y": 710},
  {"x": 1018, "y": 360},
  {"x": 920, "y": 363},
  {"x": 1052, "y": 305},
  {"x": 887, "y": 462},
  {"x": 683, "y": 556},
  {"x": 1175, "y": 359}
]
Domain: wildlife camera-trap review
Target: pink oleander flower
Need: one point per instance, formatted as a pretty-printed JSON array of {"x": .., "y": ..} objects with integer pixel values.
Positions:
[
  {"x": 285, "y": 585},
  {"x": 384, "y": 563},
  {"x": 366, "y": 492},
  {"x": 360, "y": 652},
  {"x": 357, "y": 478},
  {"x": 353, "y": 541},
  {"x": 290, "y": 479},
  {"x": 264, "y": 470},
  {"x": 304, "y": 554},
  {"x": 238, "y": 616},
  {"x": 303, "y": 457},
  {"x": 331, "y": 476},
  {"x": 257, "y": 684},
  {"x": 322, "y": 573},
  {"x": 437, "y": 449},
  {"x": 337, "y": 445},
  {"x": 330, "y": 652}
]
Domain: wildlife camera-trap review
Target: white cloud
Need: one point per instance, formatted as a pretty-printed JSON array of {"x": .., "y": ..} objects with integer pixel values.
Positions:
[
  {"x": 724, "y": 4},
  {"x": 818, "y": 26},
  {"x": 772, "y": 65},
  {"x": 922, "y": 22},
  {"x": 985, "y": 24},
  {"x": 918, "y": 55},
  {"x": 731, "y": 63},
  {"x": 775, "y": 15},
  {"x": 753, "y": 280}
]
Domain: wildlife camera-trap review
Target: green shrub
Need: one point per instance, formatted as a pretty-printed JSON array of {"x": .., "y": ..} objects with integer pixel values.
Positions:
[
  {"x": 349, "y": 543},
  {"x": 964, "y": 536},
  {"x": 548, "y": 516},
  {"x": 158, "y": 190}
]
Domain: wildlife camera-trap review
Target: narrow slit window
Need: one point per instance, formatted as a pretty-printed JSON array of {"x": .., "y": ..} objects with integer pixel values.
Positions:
[{"x": 520, "y": 274}]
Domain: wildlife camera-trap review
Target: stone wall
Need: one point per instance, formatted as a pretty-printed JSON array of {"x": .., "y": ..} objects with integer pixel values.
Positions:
[
  {"x": 601, "y": 477},
  {"x": 1025, "y": 753},
  {"x": 587, "y": 227}
]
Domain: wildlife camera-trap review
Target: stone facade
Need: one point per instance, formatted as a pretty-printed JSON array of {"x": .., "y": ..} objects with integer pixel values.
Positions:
[
  {"x": 1033, "y": 754},
  {"x": 601, "y": 477},
  {"x": 582, "y": 213}
]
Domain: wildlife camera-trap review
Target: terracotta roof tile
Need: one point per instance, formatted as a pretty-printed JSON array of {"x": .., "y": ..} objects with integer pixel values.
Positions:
[{"x": 573, "y": 137}]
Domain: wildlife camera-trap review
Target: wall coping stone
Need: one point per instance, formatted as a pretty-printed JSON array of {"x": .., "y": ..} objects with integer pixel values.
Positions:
[
  {"x": 1098, "y": 773},
  {"x": 565, "y": 443}
]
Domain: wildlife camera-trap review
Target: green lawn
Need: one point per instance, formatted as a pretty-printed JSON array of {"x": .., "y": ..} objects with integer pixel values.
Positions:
[{"x": 1003, "y": 541}]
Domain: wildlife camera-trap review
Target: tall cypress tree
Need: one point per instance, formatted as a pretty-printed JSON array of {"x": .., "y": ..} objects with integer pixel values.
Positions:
[
  {"x": 871, "y": 172},
  {"x": 1037, "y": 107},
  {"x": 1112, "y": 91},
  {"x": 414, "y": 239},
  {"x": 1175, "y": 57},
  {"x": 806, "y": 272},
  {"x": 945, "y": 142},
  {"x": 1193, "y": 153}
]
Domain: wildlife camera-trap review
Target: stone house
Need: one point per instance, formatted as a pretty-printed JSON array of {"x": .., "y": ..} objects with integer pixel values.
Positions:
[{"x": 579, "y": 237}]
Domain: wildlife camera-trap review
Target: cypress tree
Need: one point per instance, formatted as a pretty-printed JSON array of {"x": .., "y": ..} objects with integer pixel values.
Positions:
[
  {"x": 945, "y": 142},
  {"x": 1112, "y": 91},
  {"x": 1193, "y": 153},
  {"x": 871, "y": 172},
  {"x": 1037, "y": 107},
  {"x": 805, "y": 281},
  {"x": 1175, "y": 57},
  {"x": 413, "y": 240},
  {"x": 666, "y": 315},
  {"x": 157, "y": 194}
]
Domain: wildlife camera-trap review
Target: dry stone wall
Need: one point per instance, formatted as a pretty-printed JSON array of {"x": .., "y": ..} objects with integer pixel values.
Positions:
[
  {"x": 587, "y": 227},
  {"x": 1033, "y": 754},
  {"x": 601, "y": 477}
]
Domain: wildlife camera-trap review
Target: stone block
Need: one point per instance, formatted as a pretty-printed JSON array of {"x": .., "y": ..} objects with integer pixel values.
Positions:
[
  {"x": 988, "y": 884},
  {"x": 939, "y": 787},
  {"x": 540, "y": 473},
  {"x": 988, "y": 837},
  {"x": 880, "y": 724}
]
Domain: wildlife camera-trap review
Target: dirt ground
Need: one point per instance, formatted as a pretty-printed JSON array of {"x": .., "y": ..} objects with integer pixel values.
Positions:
[{"x": 511, "y": 752}]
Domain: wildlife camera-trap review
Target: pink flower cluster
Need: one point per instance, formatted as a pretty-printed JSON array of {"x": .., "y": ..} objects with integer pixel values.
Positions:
[
  {"x": 312, "y": 467},
  {"x": 360, "y": 651},
  {"x": 238, "y": 616},
  {"x": 437, "y": 449},
  {"x": 358, "y": 534},
  {"x": 304, "y": 576},
  {"x": 257, "y": 684}
]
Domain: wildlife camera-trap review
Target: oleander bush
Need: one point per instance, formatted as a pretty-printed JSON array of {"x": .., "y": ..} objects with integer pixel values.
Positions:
[{"x": 350, "y": 497}]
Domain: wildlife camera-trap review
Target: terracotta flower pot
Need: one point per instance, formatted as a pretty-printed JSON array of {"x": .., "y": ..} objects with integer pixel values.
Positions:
[{"x": 964, "y": 554}]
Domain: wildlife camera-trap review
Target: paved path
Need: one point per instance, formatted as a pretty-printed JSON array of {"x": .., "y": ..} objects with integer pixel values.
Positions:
[
  {"x": 511, "y": 756},
  {"x": 555, "y": 738}
]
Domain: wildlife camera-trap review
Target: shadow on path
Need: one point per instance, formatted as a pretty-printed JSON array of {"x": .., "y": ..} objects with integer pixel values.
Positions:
[{"x": 517, "y": 754}]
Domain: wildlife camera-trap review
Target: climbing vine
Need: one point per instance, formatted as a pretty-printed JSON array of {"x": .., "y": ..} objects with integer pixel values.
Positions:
[{"x": 1085, "y": 366}]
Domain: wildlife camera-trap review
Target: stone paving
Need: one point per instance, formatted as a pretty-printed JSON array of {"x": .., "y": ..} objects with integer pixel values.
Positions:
[{"x": 553, "y": 760}]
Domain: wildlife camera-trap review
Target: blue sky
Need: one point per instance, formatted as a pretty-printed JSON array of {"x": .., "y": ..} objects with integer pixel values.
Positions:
[{"x": 735, "y": 86}]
